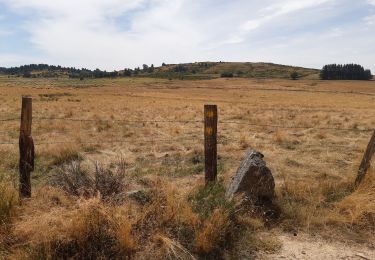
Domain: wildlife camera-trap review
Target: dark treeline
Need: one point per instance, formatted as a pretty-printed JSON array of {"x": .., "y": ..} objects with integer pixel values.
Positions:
[
  {"x": 345, "y": 72},
  {"x": 25, "y": 69},
  {"x": 44, "y": 70}
]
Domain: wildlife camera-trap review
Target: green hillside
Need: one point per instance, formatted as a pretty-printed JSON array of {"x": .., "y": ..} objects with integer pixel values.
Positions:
[
  {"x": 197, "y": 70},
  {"x": 237, "y": 69}
]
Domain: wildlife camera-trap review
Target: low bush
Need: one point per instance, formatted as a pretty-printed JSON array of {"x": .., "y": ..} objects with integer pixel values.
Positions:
[
  {"x": 227, "y": 75},
  {"x": 207, "y": 199},
  {"x": 79, "y": 181}
]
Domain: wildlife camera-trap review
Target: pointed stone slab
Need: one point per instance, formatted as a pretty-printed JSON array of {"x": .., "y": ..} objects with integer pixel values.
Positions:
[{"x": 253, "y": 178}]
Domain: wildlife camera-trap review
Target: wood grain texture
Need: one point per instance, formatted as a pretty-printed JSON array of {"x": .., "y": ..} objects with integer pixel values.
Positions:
[
  {"x": 366, "y": 161},
  {"x": 210, "y": 142},
  {"x": 26, "y": 148}
]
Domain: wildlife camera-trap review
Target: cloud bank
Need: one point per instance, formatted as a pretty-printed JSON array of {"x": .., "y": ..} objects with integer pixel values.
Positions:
[{"x": 114, "y": 34}]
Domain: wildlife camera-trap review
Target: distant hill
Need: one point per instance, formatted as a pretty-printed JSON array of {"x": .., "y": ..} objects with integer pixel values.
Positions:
[
  {"x": 197, "y": 70},
  {"x": 235, "y": 69}
]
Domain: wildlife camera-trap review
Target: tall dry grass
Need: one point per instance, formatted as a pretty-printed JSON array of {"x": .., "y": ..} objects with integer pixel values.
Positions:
[
  {"x": 169, "y": 218},
  {"x": 330, "y": 205},
  {"x": 357, "y": 209},
  {"x": 56, "y": 224}
]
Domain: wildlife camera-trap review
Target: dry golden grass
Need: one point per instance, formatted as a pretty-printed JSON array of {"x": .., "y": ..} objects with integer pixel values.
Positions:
[
  {"x": 8, "y": 199},
  {"x": 358, "y": 208},
  {"x": 213, "y": 231},
  {"x": 143, "y": 122}
]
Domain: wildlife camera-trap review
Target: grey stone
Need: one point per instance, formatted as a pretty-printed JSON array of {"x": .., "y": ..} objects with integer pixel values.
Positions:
[
  {"x": 139, "y": 196},
  {"x": 253, "y": 178}
]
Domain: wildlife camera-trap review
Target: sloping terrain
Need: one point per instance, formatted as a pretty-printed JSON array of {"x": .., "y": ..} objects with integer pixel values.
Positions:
[{"x": 237, "y": 69}]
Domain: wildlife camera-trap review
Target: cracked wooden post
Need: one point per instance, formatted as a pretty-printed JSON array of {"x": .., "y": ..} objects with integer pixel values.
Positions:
[
  {"x": 210, "y": 142},
  {"x": 366, "y": 161},
  {"x": 26, "y": 146}
]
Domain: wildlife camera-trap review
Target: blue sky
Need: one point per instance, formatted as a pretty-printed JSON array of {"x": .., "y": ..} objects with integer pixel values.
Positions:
[{"x": 114, "y": 34}]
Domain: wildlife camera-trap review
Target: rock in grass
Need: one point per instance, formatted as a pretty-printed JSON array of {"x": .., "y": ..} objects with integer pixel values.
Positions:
[
  {"x": 139, "y": 196},
  {"x": 253, "y": 179}
]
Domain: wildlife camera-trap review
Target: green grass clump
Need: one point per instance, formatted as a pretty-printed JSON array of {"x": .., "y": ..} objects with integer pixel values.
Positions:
[{"x": 208, "y": 198}]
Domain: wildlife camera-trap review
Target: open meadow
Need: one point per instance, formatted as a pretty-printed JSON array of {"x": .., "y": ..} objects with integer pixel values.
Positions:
[{"x": 147, "y": 135}]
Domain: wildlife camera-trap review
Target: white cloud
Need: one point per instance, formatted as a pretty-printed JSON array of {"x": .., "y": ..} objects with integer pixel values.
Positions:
[
  {"x": 370, "y": 20},
  {"x": 371, "y": 2},
  {"x": 289, "y": 6},
  {"x": 15, "y": 60},
  {"x": 280, "y": 9},
  {"x": 4, "y": 32},
  {"x": 79, "y": 9},
  {"x": 251, "y": 25},
  {"x": 271, "y": 13},
  {"x": 113, "y": 34}
]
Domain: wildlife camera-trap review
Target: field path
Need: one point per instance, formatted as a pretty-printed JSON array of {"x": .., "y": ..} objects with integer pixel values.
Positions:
[{"x": 308, "y": 247}]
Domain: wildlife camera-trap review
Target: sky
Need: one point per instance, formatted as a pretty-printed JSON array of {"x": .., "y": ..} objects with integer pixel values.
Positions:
[{"x": 118, "y": 34}]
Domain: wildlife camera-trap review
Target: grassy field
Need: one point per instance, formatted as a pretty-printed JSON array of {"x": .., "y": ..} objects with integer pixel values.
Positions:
[
  {"x": 147, "y": 136},
  {"x": 212, "y": 70}
]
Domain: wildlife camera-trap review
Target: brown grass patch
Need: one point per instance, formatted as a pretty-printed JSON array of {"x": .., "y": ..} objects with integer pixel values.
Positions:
[{"x": 358, "y": 209}]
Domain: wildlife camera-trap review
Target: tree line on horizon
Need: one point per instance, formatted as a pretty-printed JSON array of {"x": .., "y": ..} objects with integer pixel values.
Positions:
[
  {"x": 45, "y": 70},
  {"x": 345, "y": 72},
  {"x": 329, "y": 72}
]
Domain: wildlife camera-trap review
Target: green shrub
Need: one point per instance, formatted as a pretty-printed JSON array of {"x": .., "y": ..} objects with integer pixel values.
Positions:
[
  {"x": 208, "y": 198},
  {"x": 227, "y": 75},
  {"x": 294, "y": 75}
]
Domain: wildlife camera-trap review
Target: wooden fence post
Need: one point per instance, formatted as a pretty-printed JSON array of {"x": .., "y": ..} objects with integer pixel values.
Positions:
[
  {"x": 210, "y": 142},
  {"x": 26, "y": 146},
  {"x": 366, "y": 161}
]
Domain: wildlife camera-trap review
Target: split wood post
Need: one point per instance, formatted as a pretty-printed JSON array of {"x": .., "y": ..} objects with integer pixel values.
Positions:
[
  {"x": 26, "y": 146},
  {"x": 366, "y": 161},
  {"x": 210, "y": 142}
]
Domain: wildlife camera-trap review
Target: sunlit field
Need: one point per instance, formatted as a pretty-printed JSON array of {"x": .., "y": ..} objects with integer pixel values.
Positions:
[{"x": 312, "y": 133}]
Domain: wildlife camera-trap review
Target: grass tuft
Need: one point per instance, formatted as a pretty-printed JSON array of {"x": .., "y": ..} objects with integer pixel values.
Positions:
[
  {"x": 8, "y": 199},
  {"x": 208, "y": 198}
]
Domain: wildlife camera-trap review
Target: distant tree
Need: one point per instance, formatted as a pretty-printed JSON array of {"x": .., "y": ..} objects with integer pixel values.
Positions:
[
  {"x": 127, "y": 72},
  {"x": 345, "y": 72},
  {"x": 145, "y": 67},
  {"x": 368, "y": 74},
  {"x": 180, "y": 68},
  {"x": 240, "y": 73},
  {"x": 294, "y": 75},
  {"x": 137, "y": 71},
  {"x": 227, "y": 75},
  {"x": 151, "y": 69},
  {"x": 163, "y": 64},
  {"x": 27, "y": 74}
]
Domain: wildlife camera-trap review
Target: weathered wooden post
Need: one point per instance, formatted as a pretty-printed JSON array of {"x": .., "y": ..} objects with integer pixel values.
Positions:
[
  {"x": 210, "y": 142},
  {"x": 366, "y": 161},
  {"x": 26, "y": 146}
]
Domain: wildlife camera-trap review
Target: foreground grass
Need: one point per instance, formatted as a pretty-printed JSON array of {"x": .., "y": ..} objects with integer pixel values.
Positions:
[
  {"x": 85, "y": 212},
  {"x": 329, "y": 208},
  {"x": 167, "y": 213},
  {"x": 61, "y": 223}
]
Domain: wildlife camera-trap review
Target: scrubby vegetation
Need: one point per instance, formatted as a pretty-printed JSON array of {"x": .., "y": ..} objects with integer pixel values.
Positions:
[
  {"x": 294, "y": 75},
  {"x": 145, "y": 197},
  {"x": 198, "y": 70},
  {"x": 89, "y": 215},
  {"x": 326, "y": 205}
]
